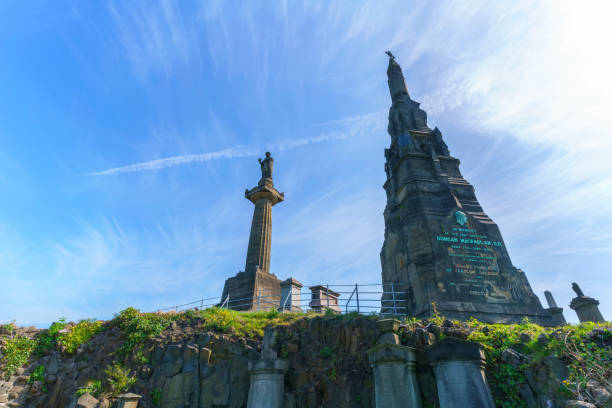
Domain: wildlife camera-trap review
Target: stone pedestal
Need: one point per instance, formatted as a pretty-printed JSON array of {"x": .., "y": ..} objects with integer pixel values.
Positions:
[
  {"x": 291, "y": 295},
  {"x": 128, "y": 400},
  {"x": 267, "y": 376},
  {"x": 587, "y": 309},
  {"x": 459, "y": 369},
  {"x": 267, "y": 383},
  {"x": 395, "y": 382}
]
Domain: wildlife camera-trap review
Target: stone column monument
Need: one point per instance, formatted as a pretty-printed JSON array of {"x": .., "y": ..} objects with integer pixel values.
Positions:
[
  {"x": 585, "y": 307},
  {"x": 459, "y": 369},
  {"x": 395, "y": 382},
  {"x": 256, "y": 288}
]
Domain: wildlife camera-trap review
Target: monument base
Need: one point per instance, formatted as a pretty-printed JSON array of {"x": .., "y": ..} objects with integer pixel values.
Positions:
[{"x": 252, "y": 291}]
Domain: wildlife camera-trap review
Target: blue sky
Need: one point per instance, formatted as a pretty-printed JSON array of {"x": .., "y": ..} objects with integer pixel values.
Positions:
[{"x": 94, "y": 94}]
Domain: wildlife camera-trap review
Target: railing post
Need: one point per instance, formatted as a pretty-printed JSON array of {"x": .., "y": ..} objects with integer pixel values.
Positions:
[
  {"x": 201, "y": 304},
  {"x": 258, "y": 297},
  {"x": 393, "y": 294},
  {"x": 357, "y": 294}
]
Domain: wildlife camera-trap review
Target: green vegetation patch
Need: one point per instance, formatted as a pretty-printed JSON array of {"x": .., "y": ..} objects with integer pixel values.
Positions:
[
  {"x": 586, "y": 358},
  {"x": 79, "y": 334},
  {"x": 119, "y": 379},
  {"x": 246, "y": 324},
  {"x": 47, "y": 340},
  {"x": 93, "y": 387},
  {"x": 17, "y": 352},
  {"x": 139, "y": 327}
]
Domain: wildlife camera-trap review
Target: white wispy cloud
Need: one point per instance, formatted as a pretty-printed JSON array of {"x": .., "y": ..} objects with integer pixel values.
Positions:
[{"x": 350, "y": 127}]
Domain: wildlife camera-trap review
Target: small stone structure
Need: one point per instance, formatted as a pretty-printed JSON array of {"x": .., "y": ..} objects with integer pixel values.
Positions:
[
  {"x": 585, "y": 307},
  {"x": 459, "y": 370},
  {"x": 395, "y": 381},
  {"x": 323, "y": 298},
  {"x": 267, "y": 376},
  {"x": 553, "y": 309},
  {"x": 291, "y": 295},
  {"x": 128, "y": 400}
]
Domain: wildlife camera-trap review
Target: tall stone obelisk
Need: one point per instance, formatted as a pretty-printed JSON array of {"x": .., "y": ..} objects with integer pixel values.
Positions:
[
  {"x": 442, "y": 253},
  {"x": 256, "y": 288}
]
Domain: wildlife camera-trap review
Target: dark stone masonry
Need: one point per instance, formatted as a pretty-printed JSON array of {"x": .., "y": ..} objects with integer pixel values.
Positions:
[{"x": 440, "y": 246}]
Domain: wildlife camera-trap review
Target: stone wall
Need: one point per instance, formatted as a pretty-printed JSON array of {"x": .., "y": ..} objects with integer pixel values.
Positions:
[{"x": 190, "y": 366}]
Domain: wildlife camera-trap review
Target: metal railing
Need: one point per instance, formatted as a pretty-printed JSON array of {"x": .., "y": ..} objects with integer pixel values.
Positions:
[{"x": 383, "y": 299}]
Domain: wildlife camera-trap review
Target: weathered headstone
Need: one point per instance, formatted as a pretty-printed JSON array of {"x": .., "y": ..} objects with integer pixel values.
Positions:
[
  {"x": 256, "y": 288},
  {"x": 395, "y": 382},
  {"x": 585, "y": 307},
  {"x": 440, "y": 246},
  {"x": 459, "y": 370},
  {"x": 267, "y": 376}
]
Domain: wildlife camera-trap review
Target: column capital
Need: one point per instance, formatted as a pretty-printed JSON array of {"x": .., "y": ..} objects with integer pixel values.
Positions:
[{"x": 266, "y": 192}]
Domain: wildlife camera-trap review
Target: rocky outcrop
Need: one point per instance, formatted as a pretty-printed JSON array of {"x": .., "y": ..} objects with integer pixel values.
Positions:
[{"x": 190, "y": 366}]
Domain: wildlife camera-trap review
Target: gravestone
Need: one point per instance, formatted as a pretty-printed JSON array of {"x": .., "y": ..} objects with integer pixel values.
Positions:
[
  {"x": 440, "y": 246},
  {"x": 267, "y": 376},
  {"x": 395, "y": 381},
  {"x": 459, "y": 370}
]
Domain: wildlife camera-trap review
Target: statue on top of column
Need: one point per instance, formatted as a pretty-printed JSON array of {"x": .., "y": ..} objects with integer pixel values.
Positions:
[{"x": 267, "y": 166}]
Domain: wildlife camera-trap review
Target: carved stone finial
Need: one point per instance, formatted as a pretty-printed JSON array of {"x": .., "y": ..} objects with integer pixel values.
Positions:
[
  {"x": 577, "y": 289},
  {"x": 390, "y": 55}
]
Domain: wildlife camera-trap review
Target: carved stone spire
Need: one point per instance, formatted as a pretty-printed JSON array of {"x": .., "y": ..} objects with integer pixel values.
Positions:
[
  {"x": 395, "y": 79},
  {"x": 405, "y": 115}
]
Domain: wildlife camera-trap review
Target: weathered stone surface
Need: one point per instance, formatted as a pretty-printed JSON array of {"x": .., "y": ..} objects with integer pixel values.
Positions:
[
  {"x": 579, "y": 404},
  {"x": 87, "y": 401},
  {"x": 585, "y": 307},
  {"x": 395, "y": 381},
  {"x": 440, "y": 246},
  {"x": 460, "y": 379}
]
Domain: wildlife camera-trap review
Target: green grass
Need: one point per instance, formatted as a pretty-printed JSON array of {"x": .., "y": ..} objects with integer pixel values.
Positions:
[{"x": 94, "y": 388}]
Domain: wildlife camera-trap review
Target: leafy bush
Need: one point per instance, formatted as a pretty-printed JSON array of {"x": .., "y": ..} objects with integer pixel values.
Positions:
[
  {"x": 79, "y": 334},
  {"x": 17, "y": 352},
  {"x": 139, "y": 327},
  {"x": 93, "y": 387},
  {"x": 119, "y": 379},
  {"x": 47, "y": 340},
  {"x": 38, "y": 374},
  {"x": 9, "y": 327},
  {"x": 585, "y": 359}
]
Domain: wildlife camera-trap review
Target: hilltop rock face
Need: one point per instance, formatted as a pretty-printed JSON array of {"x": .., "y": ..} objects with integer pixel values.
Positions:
[{"x": 191, "y": 366}]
